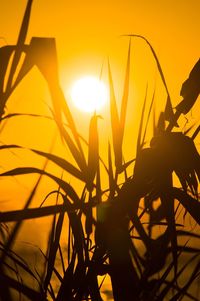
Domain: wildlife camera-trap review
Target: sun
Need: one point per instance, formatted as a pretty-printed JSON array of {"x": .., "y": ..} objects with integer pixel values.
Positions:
[{"x": 89, "y": 94}]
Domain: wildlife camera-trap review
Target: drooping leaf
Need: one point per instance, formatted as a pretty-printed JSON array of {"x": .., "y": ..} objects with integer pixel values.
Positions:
[
  {"x": 191, "y": 204},
  {"x": 68, "y": 189},
  {"x": 156, "y": 59},
  {"x": 20, "y": 287},
  {"x": 25, "y": 115},
  {"x": 64, "y": 164},
  {"x": 190, "y": 90},
  {"x": 4, "y": 146}
]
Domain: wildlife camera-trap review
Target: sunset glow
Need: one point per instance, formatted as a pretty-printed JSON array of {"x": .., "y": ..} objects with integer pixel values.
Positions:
[{"x": 89, "y": 94}]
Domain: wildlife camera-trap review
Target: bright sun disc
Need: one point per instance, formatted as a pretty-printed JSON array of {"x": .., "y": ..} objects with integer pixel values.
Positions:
[{"x": 89, "y": 94}]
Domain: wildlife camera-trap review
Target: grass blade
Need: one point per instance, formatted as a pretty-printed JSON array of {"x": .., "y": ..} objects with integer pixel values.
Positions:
[
  {"x": 65, "y": 165},
  {"x": 139, "y": 146},
  {"x": 29, "y": 170},
  {"x": 191, "y": 205},
  {"x": 93, "y": 152},
  {"x": 20, "y": 44},
  {"x": 115, "y": 123},
  {"x": 125, "y": 93}
]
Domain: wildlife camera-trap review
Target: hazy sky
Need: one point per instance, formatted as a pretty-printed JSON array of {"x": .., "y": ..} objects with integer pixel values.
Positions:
[{"x": 86, "y": 31}]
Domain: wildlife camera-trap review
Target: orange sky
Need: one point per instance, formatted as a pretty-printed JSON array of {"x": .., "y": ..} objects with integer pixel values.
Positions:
[{"x": 87, "y": 31}]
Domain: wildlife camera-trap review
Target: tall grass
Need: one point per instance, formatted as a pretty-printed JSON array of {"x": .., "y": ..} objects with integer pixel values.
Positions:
[{"x": 101, "y": 237}]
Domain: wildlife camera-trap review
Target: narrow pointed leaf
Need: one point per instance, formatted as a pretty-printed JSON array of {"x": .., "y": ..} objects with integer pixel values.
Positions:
[
  {"x": 115, "y": 124},
  {"x": 93, "y": 152},
  {"x": 65, "y": 165},
  {"x": 125, "y": 92},
  {"x": 141, "y": 123},
  {"x": 20, "y": 43},
  {"x": 148, "y": 117},
  {"x": 110, "y": 174}
]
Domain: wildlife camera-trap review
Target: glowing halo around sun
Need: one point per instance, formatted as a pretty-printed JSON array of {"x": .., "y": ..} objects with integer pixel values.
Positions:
[{"x": 89, "y": 94}]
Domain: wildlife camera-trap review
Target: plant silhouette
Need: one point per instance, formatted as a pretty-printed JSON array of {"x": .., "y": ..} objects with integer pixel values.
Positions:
[{"x": 105, "y": 244}]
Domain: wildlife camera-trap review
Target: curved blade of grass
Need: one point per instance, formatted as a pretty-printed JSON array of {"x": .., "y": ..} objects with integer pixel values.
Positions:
[
  {"x": 156, "y": 59},
  {"x": 175, "y": 288},
  {"x": 20, "y": 287},
  {"x": 18, "y": 261},
  {"x": 17, "y": 215},
  {"x": 4, "y": 146},
  {"x": 65, "y": 165},
  {"x": 28, "y": 202},
  {"x": 73, "y": 149},
  {"x": 170, "y": 284},
  {"x": 169, "y": 115},
  {"x": 47, "y": 53},
  {"x": 40, "y": 52},
  {"x": 58, "y": 98},
  {"x": 187, "y": 233},
  {"x": 29, "y": 170},
  {"x": 191, "y": 204},
  {"x": 183, "y": 290},
  {"x": 26, "y": 115}
]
